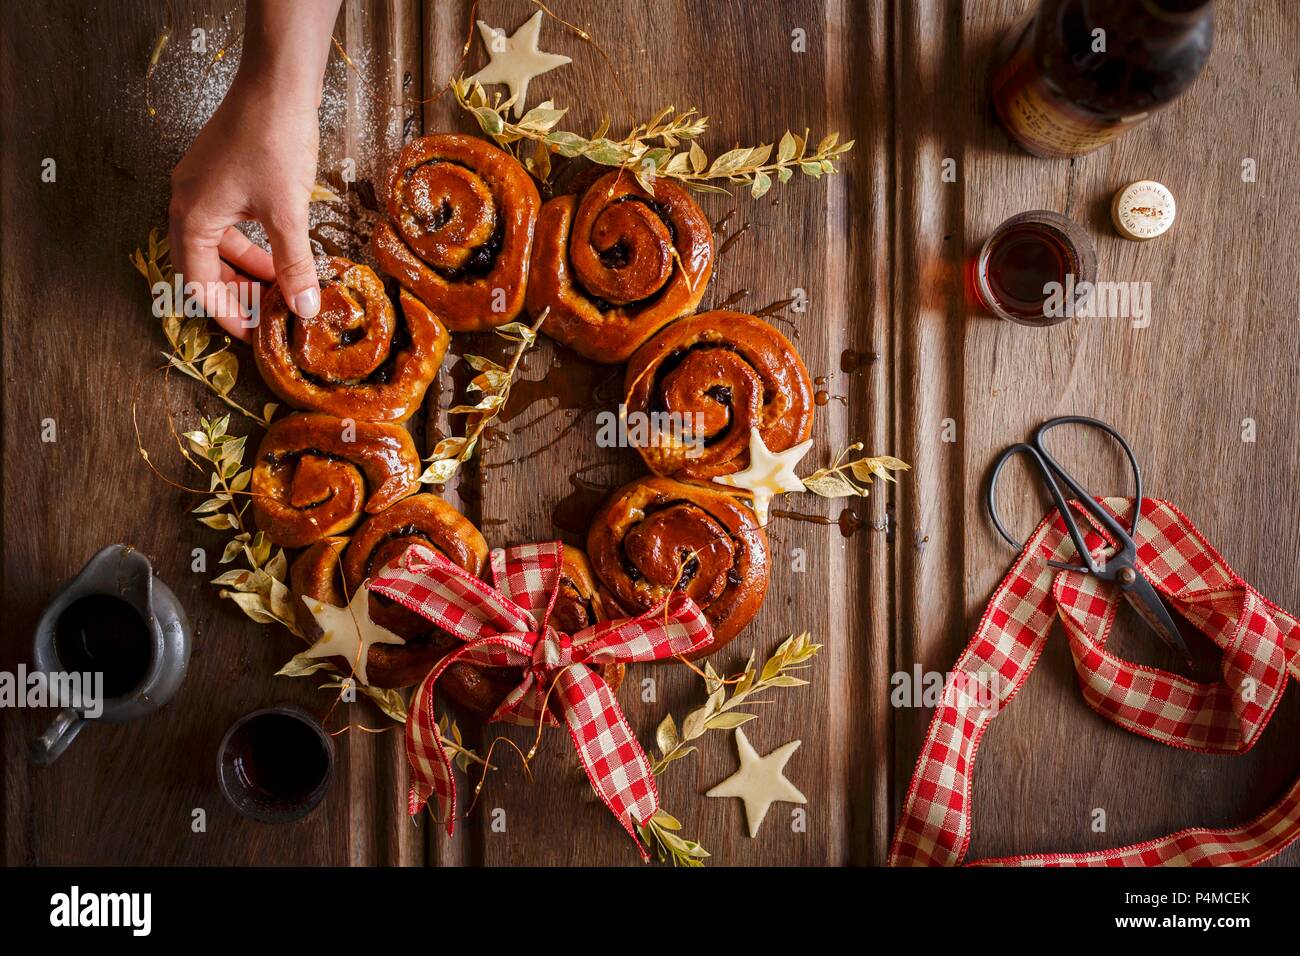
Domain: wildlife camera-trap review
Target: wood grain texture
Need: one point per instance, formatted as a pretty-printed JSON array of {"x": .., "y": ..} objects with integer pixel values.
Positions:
[
  {"x": 1221, "y": 348},
  {"x": 542, "y": 474},
  {"x": 79, "y": 344},
  {"x": 881, "y": 253}
]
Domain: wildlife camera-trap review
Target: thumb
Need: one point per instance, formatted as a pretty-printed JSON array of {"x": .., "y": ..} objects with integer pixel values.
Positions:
[{"x": 295, "y": 266}]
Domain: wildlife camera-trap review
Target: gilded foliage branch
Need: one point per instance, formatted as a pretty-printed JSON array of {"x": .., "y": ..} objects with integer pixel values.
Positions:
[
  {"x": 191, "y": 336},
  {"x": 650, "y": 150},
  {"x": 719, "y": 712},
  {"x": 493, "y": 382},
  {"x": 851, "y": 477}
]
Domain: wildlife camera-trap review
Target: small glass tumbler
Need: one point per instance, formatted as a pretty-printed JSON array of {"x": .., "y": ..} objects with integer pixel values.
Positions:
[
  {"x": 1028, "y": 271},
  {"x": 275, "y": 764}
]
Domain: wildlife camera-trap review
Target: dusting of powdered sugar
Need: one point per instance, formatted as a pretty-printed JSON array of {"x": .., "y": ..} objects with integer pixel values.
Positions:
[{"x": 363, "y": 124}]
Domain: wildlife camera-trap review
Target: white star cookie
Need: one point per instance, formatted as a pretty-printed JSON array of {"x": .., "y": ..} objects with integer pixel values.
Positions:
[
  {"x": 759, "y": 781},
  {"x": 769, "y": 473},
  {"x": 516, "y": 59},
  {"x": 348, "y": 631}
]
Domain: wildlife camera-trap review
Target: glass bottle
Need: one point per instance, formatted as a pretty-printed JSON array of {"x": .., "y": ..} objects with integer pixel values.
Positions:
[{"x": 1083, "y": 72}]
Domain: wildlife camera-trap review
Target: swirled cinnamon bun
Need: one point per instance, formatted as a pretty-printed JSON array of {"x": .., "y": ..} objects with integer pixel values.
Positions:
[
  {"x": 459, "y": 235},
  {"x": 316, "y": 475},
  {"x": 359, "y": 357},
  {"x": 655, "y": 536},
  {"x": 721, "y": 374},
  {"x": 617, "y": 264},
  {"x": 328, "y": 567}
]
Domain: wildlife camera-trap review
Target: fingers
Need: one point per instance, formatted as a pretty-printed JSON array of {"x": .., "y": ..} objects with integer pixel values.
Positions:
[
  {"x": 295, "y": 267},
  {"x": 198, "y": 263},
  {"x": 196, "y": 243},
  {"x": 247, "y": 256}
]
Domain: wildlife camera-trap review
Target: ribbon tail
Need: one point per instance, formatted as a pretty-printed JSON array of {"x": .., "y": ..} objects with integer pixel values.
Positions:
[
  {"x": 431, "y": 774},
  {"x": 615, "y": 763}
]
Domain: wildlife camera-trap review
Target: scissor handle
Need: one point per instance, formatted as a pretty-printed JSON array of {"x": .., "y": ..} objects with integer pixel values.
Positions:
[
  {"x": 1101, "y": 514},
  {"x": 1050, "y": 470},
  {"x": 1045, "y": 472}
]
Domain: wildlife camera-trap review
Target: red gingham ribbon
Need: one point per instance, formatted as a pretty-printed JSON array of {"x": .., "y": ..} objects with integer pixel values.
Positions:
[
  {"x": 1260, "y": 643},
  {"x": 508, "y": 627}
]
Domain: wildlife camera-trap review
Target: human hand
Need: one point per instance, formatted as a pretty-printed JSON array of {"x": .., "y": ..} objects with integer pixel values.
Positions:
[{"x": 256, "y": 159}]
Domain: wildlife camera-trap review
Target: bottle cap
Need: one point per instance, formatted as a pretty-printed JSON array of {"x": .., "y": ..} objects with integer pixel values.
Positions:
[{"x": 1143, "y": 210}]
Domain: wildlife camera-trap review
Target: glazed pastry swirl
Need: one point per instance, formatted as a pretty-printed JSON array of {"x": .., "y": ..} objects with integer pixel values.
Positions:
[
  {"x": 727, "y": 372},
  {"x": 316, "y": 474},
  {"x": 618, "y": 264},
  {"x": 657, "y": 535},
  {"x": 460, "y": 229},
  {"x": 358, "y": 358},
  {"x": 322, "y": 571}
]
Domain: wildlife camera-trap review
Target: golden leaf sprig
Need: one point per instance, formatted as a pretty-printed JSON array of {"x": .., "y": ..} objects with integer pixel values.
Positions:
[
  {"x": 718, "y": 713},
  {"x": 850, "y": 478},
  {"x": 258, "y": 589},
  {"x": 659, "y": 833},
  {"x": 191, "y": 336},
  {"x": 650, "y": 149},
  {"x": 493, "y": 382}
]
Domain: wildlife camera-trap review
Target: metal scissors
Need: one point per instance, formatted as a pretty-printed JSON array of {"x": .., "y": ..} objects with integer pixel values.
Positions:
[{"x": 1120, "y": 568}]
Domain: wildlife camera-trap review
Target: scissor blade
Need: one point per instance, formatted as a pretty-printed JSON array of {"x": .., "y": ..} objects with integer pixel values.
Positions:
[{"x": 1151, "y": 608}]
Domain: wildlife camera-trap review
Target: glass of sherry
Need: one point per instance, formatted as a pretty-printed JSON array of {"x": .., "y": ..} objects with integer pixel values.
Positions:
[
  {"x": 1031, "y": 266},
  {"x": 275, "y": 764}
]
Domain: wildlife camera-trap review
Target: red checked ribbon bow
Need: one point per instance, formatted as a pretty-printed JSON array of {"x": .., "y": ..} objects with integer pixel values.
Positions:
[
  {"x": 1261, "y": 647},
  {"x": 507, "y": 626}
]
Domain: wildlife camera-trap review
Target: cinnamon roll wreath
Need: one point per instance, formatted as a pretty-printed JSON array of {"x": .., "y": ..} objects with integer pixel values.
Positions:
[
  {"x": 315, "y": 475},
  {"x": 359, "y": 357},
  {"x": 655, "y": 536},
  {"x": 618, "y": 264},
  {"x": 460, "y": 229},
  {"x": 728, "y": 372}
]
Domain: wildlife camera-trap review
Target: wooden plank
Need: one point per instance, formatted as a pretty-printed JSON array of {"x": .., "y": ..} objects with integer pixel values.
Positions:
[
  {"x": 880, "y": 251},
  {"x": 77, "y": 337},
  {"x": 545, "y": 476},
  {"x": 1220, "y": 350}
]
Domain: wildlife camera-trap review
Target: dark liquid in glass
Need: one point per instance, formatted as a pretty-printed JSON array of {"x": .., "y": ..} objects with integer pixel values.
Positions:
[
  {"x": 1020, "y": 264},
  {"x": 279, "y": 758},
  {"x": 104, "y": 634}
]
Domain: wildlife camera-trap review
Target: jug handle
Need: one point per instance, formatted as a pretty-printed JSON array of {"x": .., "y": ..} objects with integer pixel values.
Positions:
[{"x": 49, "y": 746}]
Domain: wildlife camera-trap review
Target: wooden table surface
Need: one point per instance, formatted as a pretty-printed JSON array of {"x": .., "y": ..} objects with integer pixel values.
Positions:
[{"x": 880, "y": 252}]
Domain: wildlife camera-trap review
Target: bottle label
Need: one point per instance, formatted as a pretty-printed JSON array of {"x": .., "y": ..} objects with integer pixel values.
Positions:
[{"x": 1041, "y": 121}]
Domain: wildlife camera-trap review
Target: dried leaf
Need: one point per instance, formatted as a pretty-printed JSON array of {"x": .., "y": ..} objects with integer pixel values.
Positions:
[
  {"x": 221, "y": 522},
  {"x": 694, "y": 723},
  {"x": 440, "y": 472},
  {"x": 301, "y": 665},
  {"x": 666, "y": 734},
  {"x": 731, "y": 720},
  {"x": 252, "y": 605},
  {"x": 786, "y": 149},
  {"x": 221, "y": 369},
  {"x": 698, "y": 159},
  {"x": 322, "y": 193},
  {"x": 830, "y": 485}
]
